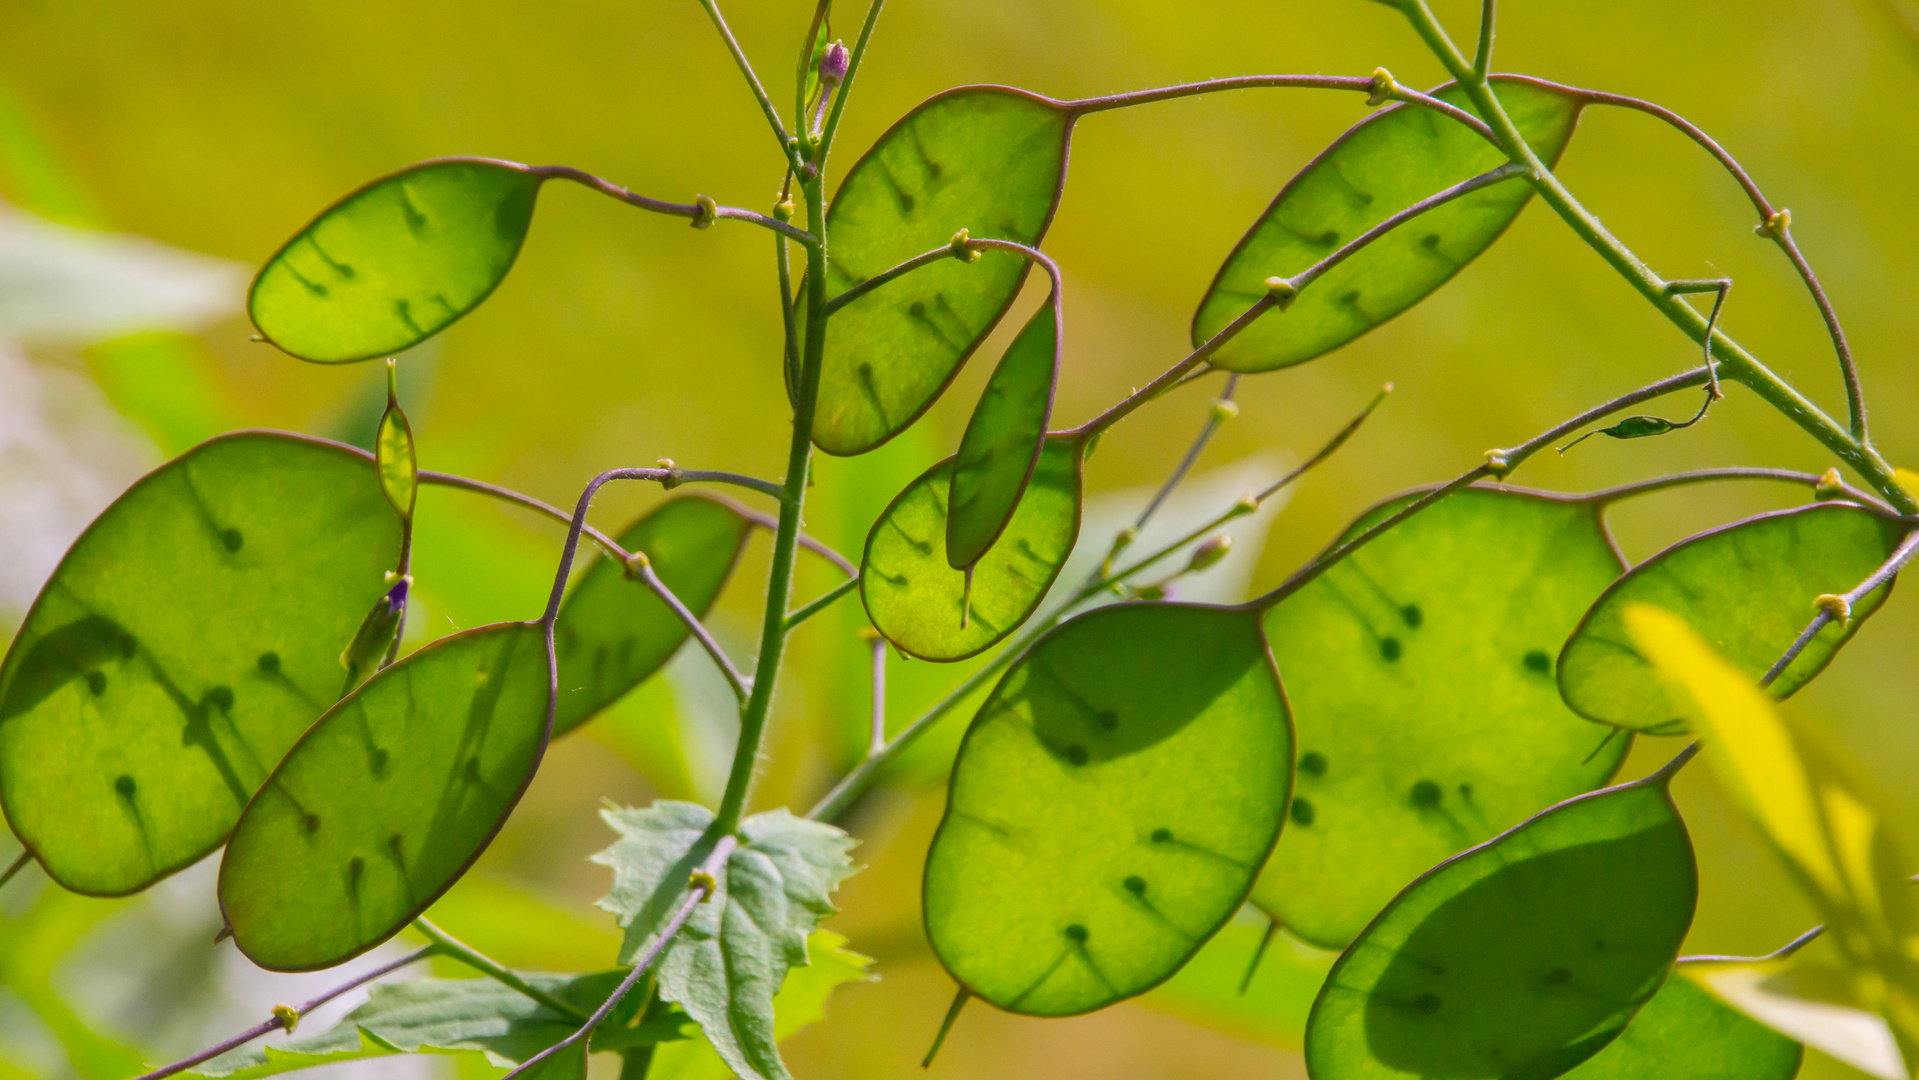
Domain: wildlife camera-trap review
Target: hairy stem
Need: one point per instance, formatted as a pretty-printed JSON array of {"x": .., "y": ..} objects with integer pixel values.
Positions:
[
  {"x": 279, "y": 1021},
  {"x": 1483, "y": 59},
  {"x": 753, "y": 80},
  {"x": 779, "y": 587},
  {"x": 1901, "y": 555}
]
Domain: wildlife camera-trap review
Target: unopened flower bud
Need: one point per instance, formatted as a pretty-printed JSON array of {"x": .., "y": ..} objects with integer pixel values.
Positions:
[
  {"x": 833, "y": 64},
  {"x": 1224, "y": 410},
  {"x": 1210, "y": 552}
]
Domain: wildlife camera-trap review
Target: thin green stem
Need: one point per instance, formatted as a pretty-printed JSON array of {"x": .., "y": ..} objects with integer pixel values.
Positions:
[
  {"x": 832, "y": 125},
  {"x": 821, "y": 12},
  {"x": 1483, "y": 59},
  {"x": 779, "y": 587},
  {"x": 644, "y": 567},
  {"x": 1736, "y": 472},
  {"x": 1739, "y": 364},
  {"x": 809, "y": 610},
  {"x": 447, "y": 945},
  {"x": 1174, "y": 374},
  {"x": 753, "y": 80},
  {"x": 26, "y": 856},
  {"x": 1356, "y": 83},
  {"x": 1216, "y": 417}
]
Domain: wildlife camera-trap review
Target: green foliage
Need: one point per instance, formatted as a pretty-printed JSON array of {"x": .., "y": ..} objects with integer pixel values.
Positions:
[
  {"x": 1003, "y": 440},
  {"x": 393, "y": 453},
  {"x": 395, "y": 262},
  {"x": 934, "y": 612},
  {"x": 1111, "y": 805},
  {"x": 1385, "y": 164},
  {"x": 1420, "y": 678},
  {"x": 1748, "y": 587},
  {"x": 1520, "y": 958},
  {"x": 613, "y": 632},
  {"x": 728, "y": 961},
  {"x": 475, "y": 1016},
  {"x": 186, "y": 640},
  {"x": 986, "y": 159},
  {"x": 1684, "y": 1033},
  {"x": 387, "y": 799}
]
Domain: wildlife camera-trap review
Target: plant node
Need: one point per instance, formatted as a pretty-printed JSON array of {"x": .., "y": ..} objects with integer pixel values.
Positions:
[
  {"x": 709, "y": 212},
  {"x": 700, "y": 879},
  {"x": 675, "y": 476},
  {"x": 1384, "y": 87},
  {"x": 288, "y": 1016},
  {"x": 1775, "y": 226},
  {"x": 1830, "y": 486},
  {"x": 962, "y": 247},
  {"x": 1499, "y": 463},
  {"x": 1282, "y": 290},
  {"x": 1838, "y": 607}
]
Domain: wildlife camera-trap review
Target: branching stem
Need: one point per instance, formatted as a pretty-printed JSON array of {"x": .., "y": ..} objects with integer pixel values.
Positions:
[
  {"x": 787, "y": 146},
  {"x": 813, "y": 608}
]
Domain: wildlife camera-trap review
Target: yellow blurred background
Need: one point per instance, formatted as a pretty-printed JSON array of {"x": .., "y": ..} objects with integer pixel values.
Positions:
[{"x": 219, "y": 127}]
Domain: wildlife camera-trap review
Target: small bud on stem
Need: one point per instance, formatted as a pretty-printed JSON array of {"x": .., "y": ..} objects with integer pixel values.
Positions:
[
  {"x": 1209, "y": 553},
  {"x": 1384, "y": 87}
]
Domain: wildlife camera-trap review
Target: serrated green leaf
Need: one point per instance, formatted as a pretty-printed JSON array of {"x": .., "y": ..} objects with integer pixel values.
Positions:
[
  {"x": 1420, "y": 676},
  {"x": 1003, "y": 440},
  {"x": 732, "y": 955},
  {"x": 1748, "y": 588},
  {"x": 987, "y": 159},
  {"x": 1684, "y": 1033},
  {"x": 801, "y": 1001},
  {"x": 923, "y": 605},
  {"x": 1112, "y": 803},
  {"x": 395, "y": 262},
  {"x": 449, "y": 1016},
  {"x": 613, "y": 632},
  {"x": 387, "y": 799},
  {"x": 185, "y": 641},
  {"x": 1520, "y": 958},
  {"x": 1384, "y": 164},
  {"x": 1840, "y": 849}
]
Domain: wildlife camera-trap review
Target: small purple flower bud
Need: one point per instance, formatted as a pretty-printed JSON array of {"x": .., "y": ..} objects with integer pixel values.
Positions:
[{"x": 834, "y": 63}]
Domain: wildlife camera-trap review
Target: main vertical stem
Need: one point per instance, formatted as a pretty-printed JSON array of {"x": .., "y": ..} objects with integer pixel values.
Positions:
[{"x": 779, "y": 585}]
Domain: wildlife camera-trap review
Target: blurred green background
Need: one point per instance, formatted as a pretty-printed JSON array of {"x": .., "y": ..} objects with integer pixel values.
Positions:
[{"x": 219, "y": 127}]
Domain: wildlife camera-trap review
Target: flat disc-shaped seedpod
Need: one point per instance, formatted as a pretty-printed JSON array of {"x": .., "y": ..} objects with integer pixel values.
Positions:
[
  {"x": 1111, "y": 804},
  {"x": 614, "y": 632},
  {"x": 1004, "y": 438},
  {"x": 387, "y": 799},
  {"x": 1420, "y": 674},
  {"x": 988, "y": 159},
  {"x": 930, "y": 610},
  {"x": 1685, "y": 1033},
  {"x": 397, "y": 261},
  {"x": 185, "y": 641},
  {"x": 1748, "y": 588},
  {"x": 1383, "y": 165},
  {"x": 1520, "y": 958}
]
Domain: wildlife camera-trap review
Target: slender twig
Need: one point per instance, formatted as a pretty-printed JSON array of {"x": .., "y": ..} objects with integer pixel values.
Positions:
[
  {"x": 1483, "y": 59},
  {"x": 878, "y": 742},
  {"x": 1734, "y": 472},
  {"x": 1839, "y": 608},
  {"x": 1247, "y": 505},
  {"x": 1259, "y": 953},
  {"x": 1774, "y": 223},
  {"x": 753, "y": 80},
  {"x": 1781, "y": 953},
  {"x": 1283, "y": 291},
  {"x": 1358, "y": 83},
  {"x": 26, "y": 856},
  {"x": 958, "y": 248},
  {"x": 643, "y": 567},
  {"x": 822, "y": 12},
  {"x": 281, "y": 1019},
  {"x": 696, "y": 895},
  {"x": 1223, "y": 407},
  {"x": 1741, "y": 364},
  {"x": 607, "y": 543},
  {"x": 832, "y": 125},
  {"x": 668, "y": 475},
  {"x": 449, "y": 946},
  {"x": 946, "y": 1026},
  {"x": 699, "y": 212},
  {"x": 783, "y": 265},
  {"x": 808, "y": 610},
  {"x": 575, "y": 524}
]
